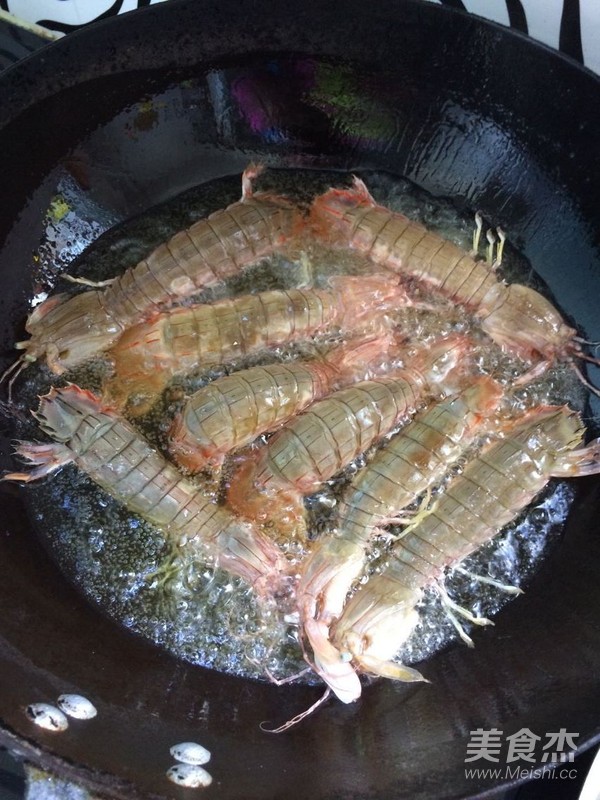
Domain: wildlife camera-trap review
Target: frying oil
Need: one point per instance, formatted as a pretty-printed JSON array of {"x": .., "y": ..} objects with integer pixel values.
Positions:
[{"x": 201, "y": 614}]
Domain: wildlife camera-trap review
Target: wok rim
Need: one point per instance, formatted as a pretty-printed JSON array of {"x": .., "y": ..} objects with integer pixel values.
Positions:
[{"x": 42, "y": 754}]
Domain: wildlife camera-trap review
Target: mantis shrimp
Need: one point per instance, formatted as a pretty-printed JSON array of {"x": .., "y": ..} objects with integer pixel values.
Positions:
[
  {"x": 289, "y": 427},
  {"x": 117, "y": 458},
  {"x": 233, "y": 411},
  {"x": 178, "y": 341},
  {"x": 319, "y": 443},
  {"x": 413, "y": 460},
  {"x": 491, "y": 491},
  {"x": 67, "y": 330},
  {"x": 516, "y": 317}
]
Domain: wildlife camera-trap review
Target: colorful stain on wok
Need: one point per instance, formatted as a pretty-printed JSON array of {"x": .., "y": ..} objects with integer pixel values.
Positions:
[{"x": 188, "y": 591}]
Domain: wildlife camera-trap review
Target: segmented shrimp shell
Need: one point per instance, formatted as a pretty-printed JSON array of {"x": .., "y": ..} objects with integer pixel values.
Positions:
[
  {"x": 233, "y": 411},
  {"x": 516, "y": 317},
  {"x": 178, "y": 341},
  {"x": 119, "y": 460},
  {"x": 320, "y": 442},
  {"x": 66, "y": 330},
  {"x": 490, "y": 492}
]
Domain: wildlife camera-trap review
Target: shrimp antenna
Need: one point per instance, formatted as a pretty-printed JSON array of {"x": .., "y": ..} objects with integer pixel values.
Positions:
[
  {"x": 299, "y": 717},
  {"x": 10, "y": 369},
  {"x": 16, "y": 369},
  {"x": 283, "y": 681},
  {"x": 591, "y": 359},
  {"x": 585, "y": 381},
  {"x": 580, "y": 340}
]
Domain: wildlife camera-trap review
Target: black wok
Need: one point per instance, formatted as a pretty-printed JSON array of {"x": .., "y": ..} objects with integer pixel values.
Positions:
[{"x": 470, "y": 111}]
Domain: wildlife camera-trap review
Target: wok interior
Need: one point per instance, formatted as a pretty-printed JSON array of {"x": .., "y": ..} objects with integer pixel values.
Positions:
[{"x": 191, "y": 94}]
